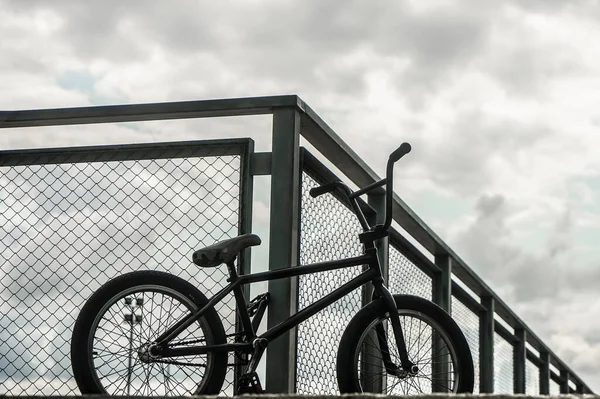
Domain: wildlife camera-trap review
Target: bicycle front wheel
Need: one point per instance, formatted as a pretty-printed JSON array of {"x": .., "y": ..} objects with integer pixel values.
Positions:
[
  {"x": 109, "y": 347},
  {"x": 434, "y": 342}
]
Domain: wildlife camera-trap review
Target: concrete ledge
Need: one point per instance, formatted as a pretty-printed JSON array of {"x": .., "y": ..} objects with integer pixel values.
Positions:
[{"x": 350, "y": 396}]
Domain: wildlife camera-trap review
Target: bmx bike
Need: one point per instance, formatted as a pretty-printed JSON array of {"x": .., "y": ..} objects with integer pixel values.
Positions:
[{"x": 174, "y": 343}]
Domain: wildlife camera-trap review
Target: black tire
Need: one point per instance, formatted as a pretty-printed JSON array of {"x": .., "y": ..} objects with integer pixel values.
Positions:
[
  {"x": 97, "y": 339},
  {"x": 360, "y": 333}
]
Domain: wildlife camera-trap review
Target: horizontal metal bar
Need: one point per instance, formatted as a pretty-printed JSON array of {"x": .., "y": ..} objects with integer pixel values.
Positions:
[
  {"x": 466, "y": 299},
  {"x": 260, "y": 163},
  {"x": 411, "y": 253},
  {"x": 505, "y": 334},
  {"x": 145, "y": 112},
  {"x": 533, "y": 358},
  {"x": 124, "y": 152}
]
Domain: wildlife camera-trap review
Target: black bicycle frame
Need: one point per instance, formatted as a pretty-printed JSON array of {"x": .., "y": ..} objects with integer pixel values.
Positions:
[{"x": 373, "y": 274}]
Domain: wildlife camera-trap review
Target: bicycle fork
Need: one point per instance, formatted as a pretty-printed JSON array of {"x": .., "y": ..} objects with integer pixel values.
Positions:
[{"x": 405, "y": 364}]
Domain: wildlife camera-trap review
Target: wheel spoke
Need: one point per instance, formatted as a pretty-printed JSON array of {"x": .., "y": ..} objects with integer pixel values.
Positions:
[
  {"x": 420, "y": 330},
  {"x": 119, "y": 341}
]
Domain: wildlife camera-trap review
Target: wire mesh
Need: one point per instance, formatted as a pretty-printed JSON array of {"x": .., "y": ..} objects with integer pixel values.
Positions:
[
  {"x": 572, "y": 386},
  {"x": 554, "y": 388},
  {"x": 468, "y": 321},
  {"x": 503, "y": 365},
  {"x": 532, "y": 378},
  {"x": 407, "y": 278},
  {"x": 67, "y": 228},
  {"x": 329, "y": 231}
]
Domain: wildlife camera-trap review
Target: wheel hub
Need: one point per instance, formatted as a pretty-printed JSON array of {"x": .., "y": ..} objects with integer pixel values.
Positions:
[
  {"x": 402, "y": 374},
  {"x": 148, "y": 353}
]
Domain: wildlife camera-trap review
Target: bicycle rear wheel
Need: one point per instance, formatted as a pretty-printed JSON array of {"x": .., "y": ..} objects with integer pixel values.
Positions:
[
  {"x": 434, "y": 344},
  {"x": 109, "y": 346}
]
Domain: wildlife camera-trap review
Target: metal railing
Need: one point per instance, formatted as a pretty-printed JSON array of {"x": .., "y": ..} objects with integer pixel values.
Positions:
[{"x": 507, "y": 354}]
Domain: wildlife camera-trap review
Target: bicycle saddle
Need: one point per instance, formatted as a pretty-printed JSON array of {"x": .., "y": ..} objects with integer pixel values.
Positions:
[{"x": 224, "y": 251}]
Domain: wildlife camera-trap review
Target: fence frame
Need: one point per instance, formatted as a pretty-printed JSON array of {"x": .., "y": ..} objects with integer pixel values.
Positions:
[
  {"x": 294, "y": 118},
  {"x": 242, "y": 147}
]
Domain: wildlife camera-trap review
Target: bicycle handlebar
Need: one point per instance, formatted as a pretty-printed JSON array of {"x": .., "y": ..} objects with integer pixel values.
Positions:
[
  {"x": 400, "y": 152},
  {"x": 389, "y": 188},
  {"x": 395, "y": 156},
  {"x": 325, "y": 188}
]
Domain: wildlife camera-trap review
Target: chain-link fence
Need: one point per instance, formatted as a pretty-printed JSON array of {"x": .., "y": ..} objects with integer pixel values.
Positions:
[
  {"x": 554, "y": 388},
  {"x": 71, "y": 220},
  {"x": 532, "y": 378},
  {"x": 329, "y": 231},
  {"x": 405, "y": 277},
  {"x": 503, "y": 365},
  {"x": 468, "y": 321}
]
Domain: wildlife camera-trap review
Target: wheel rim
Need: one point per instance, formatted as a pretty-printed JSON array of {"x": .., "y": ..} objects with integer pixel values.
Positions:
[
  {"x": 120, "y": 329},
  {"x": 437, "y": 362}
]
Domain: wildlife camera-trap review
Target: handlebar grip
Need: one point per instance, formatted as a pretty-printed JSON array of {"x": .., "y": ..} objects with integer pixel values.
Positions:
[
  {"x": 325, "y": 188},
  {"x": 400, "y": 152}
]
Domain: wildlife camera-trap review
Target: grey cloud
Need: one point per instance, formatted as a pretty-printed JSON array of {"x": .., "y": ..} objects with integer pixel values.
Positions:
[
  {"x": 94, "y": 30},
  {"x": 24, "y": 63},
  {"x": 301, "y": 41},
  {"x": 297, "y": 47},
  {"x": 525, "y": 70},
  {"x": 438, "y": 46},
  {"x": 489, "y": 206},
  {"x": 547, "y": 6},
  {"x": 461, "y": 160},
  {"x": 488, "y": 248}
]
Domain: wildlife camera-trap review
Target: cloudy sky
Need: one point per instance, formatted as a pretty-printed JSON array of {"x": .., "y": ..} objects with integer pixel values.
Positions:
[{"x": 499, "y": 102}]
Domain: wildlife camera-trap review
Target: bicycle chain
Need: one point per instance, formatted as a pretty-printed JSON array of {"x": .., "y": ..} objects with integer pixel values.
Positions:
[
  {"x": 179, "y": 363},
  {"x": 196, "y": 341},
  {"x": 237, "y": 354},
  {"x": 193, "y": 341}
]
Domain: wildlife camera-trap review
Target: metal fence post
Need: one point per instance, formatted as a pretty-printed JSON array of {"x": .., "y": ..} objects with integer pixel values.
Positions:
[
  {"x": 372, "y": 368},
  {"x": 442, "y": 295},
  {"x": 564, "y": 381},
  {"x": 545, "y": 373},
  {"x": 442, "y": 283},
  {"x": 519, "y": 359},
  {"x": 486, "y": 346},
  {"x": 283, "y": 247},
  {"x": 245, "y": 227}
]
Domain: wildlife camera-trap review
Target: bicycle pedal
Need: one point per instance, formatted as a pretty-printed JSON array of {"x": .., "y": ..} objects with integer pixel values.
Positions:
[{"x": 250, "y": 384}]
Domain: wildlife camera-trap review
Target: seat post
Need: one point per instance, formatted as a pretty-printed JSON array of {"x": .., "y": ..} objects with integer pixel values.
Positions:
[{"x": 233, "y": 276}]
